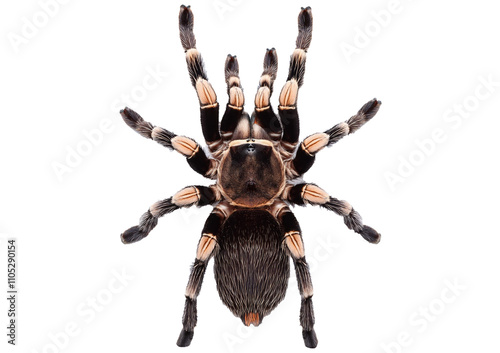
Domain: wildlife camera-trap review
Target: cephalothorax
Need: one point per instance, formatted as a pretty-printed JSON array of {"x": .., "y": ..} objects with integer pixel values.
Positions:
[{"x": 257, "y": 164}]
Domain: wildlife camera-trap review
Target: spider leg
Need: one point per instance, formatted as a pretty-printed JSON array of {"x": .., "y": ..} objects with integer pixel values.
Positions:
[
  {"x": 209, "y": 108},
  {"x": 302, "y": 194},
  {"x": 235, "y": 123},
  {"x": 206, "y": 248},
  {"x": 305, "y": 155},
  {"x": 288, "y": 97},
  {"x": 187, "y": 197},
  {"x": 186, "y": 146},
  {"x": 266, "y": 125},
  {"x": 292, "y": 242}
]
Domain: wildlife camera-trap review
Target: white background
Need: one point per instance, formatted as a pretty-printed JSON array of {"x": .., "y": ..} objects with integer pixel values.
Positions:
[{"x": 437, "y": 223}]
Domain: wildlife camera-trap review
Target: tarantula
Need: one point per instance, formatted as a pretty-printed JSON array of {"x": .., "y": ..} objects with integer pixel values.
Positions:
[{"x": 257, "y": 164}]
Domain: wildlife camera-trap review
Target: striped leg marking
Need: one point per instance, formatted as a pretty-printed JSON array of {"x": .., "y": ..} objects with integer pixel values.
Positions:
[
  {"x": 305, "y": 155},
  {"x": 206, "y": 248},
  {"x": 195, "y": 156},
  {"x": 302, "y": 194},
  {"x": 354, "y": 123},
  {"x": 294, "y": 245},
  {"x": 289, "y": 93},
  {"x": 189, "y": 196},
  {"x": 209, "y": 108},
  {"x": 266, "y": 123},
  {"x": 234, "y": 107}
]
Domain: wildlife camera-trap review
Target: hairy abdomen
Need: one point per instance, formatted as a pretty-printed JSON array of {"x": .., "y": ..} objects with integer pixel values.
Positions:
[{"x": 251, "y": 268}]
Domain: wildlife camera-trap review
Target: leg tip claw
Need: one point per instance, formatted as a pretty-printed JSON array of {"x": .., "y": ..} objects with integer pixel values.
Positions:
[
  {"x": 186, "y": 16},
  {"x": 125, "y": 111},
  {"x": 310, "y": 339},
  {"x": 271, "y": 59},
  {"x": 370, "y": 235},
  {"x": 371, "y": 108},
  {"x": 132, "y": 235},
  {"x": 185, "y": 338},
  {"x": 130, "y": 117},
  {"x": 232, "y": 64},
  {"x": 305, "y": 17}
]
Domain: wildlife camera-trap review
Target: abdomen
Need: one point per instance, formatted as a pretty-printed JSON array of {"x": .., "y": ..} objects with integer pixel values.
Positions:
[{"x": 251, "y": 268}]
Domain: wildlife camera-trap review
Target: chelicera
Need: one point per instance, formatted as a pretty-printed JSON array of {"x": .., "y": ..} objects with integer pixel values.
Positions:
[{"x": 257, "y": 163}]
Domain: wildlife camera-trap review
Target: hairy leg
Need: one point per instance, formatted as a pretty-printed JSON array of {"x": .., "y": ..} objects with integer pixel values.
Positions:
[
  {"x": 187, "y": 197},
  {"x": 206, "y": 248},
  {"x": 186, "y": 146},
  {"x": 266, "y": 123},
  {"x": 209, "y": 108},
  {"x": 302, "y": 194},
  {"x": 234, "y": 115},
  {"x": 288, "y": 96},
  {"x": 292, "y": 242},
  {"x": 306, "y": 153}
]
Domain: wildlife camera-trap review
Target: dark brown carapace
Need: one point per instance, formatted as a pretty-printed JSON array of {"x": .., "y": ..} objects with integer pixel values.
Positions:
[
  {"x": 252, "y": 173},
  {"x": 257, "y": 163}
]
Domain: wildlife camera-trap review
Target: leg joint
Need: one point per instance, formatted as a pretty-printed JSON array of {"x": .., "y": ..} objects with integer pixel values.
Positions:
[
  {"x": 314, "y": 194},
  {"x": 186, "y": 196},
  {"x": 206, "y": 246},
  {"x": 293, "y": 242},
  {"x": 315, "y": 143},
  {"x": 185, "y": 146},
  {"x": 288, "y": 95}
]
